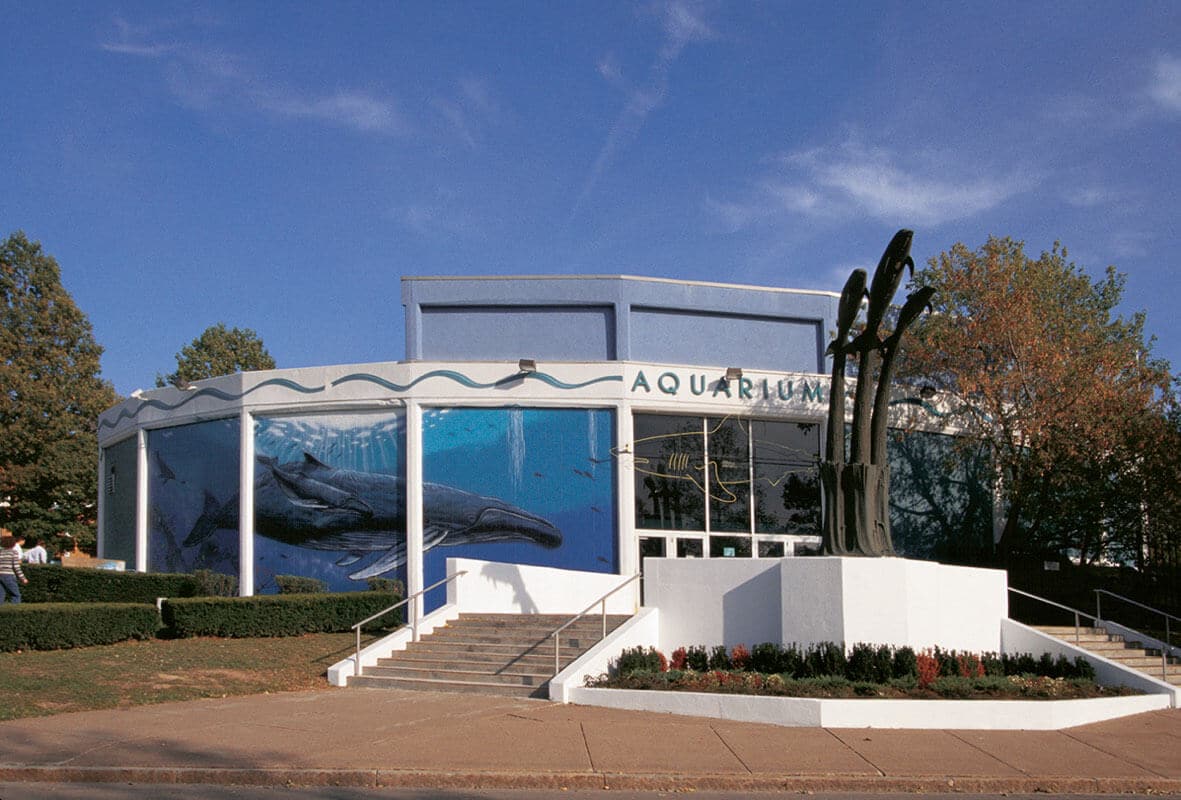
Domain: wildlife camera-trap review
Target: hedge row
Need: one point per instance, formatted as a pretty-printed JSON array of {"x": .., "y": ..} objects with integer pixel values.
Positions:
[
  {"x": 277, "y": 615},
  {"x": 54, "y": 626},
  {"x": 50, "y": 583}
]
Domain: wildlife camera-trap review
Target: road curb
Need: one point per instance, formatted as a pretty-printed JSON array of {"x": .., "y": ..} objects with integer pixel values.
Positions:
[{"x": 380, "y": 778}]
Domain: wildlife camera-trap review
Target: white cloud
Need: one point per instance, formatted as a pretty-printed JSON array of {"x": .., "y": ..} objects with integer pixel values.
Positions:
[
  {"x": 850, "y": 181},
  {"x": 208, "y": 79},
  {"x": 682, "y": 24},
  {"x": 1166, "y": 84},
  {"x": 469, "y": 111},
  {"x": 351, "y": 109}
]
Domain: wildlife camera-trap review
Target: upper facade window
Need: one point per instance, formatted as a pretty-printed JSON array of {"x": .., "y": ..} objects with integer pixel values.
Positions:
[{"x": 726, "y": 475}]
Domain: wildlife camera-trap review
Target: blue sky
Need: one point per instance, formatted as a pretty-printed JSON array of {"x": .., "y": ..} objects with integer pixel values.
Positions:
[{"x": 280, "y": 166}]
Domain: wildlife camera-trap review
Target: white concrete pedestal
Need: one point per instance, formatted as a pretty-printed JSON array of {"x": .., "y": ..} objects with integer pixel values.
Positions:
[{"x": 893, "y": 601}]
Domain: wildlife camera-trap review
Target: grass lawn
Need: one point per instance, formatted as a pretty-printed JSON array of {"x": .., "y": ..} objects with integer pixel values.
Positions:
[{"x": 41, "y": 682}]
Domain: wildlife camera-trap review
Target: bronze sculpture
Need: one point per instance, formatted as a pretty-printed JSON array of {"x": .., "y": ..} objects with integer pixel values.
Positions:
[{"x": 857, "y": 493}]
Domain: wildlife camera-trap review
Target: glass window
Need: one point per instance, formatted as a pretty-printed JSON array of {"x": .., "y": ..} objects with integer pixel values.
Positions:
[
  {"x": 729, "y": 475},
  {"x": 690, "y": 548},
  {"x": 669, "y": 464},
  {"x": 771, "y": 549},
  {"x": 729, "y": 547},
  {"x": 726, "y": 475},
  {"x": 787, "y": 478}
]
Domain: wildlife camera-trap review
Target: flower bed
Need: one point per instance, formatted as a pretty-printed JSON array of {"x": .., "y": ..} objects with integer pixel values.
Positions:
[{"x": 825, "y": 671}]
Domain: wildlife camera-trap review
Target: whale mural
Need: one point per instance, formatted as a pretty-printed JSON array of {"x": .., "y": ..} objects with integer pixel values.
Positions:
[
  {"x": 310, "y": 504},
  {"x": 516, "y": 485}
]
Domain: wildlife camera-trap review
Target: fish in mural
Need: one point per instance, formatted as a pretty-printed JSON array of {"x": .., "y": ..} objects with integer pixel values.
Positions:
[{"x": 311, "y": 504}]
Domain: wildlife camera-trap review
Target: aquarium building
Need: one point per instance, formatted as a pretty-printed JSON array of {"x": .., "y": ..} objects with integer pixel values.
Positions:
[{"x": 577, "y": 422}]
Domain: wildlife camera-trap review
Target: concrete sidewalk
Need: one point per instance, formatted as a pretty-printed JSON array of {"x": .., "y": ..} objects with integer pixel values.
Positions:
[{"x": 375, "y": 737}]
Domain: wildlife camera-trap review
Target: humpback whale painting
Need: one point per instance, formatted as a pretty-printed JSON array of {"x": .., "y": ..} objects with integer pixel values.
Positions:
[
  {"x": 354, "y": 514},
  {"x": 530, "y": 486}
]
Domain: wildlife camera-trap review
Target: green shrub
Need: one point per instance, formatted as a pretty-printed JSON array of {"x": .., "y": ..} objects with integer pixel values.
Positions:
[
  {"x": 824, "y": 659},
  {"x": 215, "y": 584},
  {"x": 952, "y": 686},
  {"x": 904, "y": 663},
  {"x": 719, "y": 658},
  {"x": 641, "y": 659},
  {"x": 697, "y": 659},
  {"x": 56, "y": 626},
  {"x": 298, "y": 584},
  {"x": 277, "y": 615},
  {"x": 764, "y": 658},
  {"x": 862, "y": 664},
  {"x": 391, "y": 585},
  {"x": 994, "y": 665},
  {"x": 50, "y": 583}
]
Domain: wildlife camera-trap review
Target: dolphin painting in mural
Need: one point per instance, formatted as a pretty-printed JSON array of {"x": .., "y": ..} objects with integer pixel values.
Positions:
[{"x": 311, "y": 504}]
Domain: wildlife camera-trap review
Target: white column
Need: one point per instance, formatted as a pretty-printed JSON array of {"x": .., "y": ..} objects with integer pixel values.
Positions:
[
  {"x": 626, "y": 542},
  {"x": 246, "y": 504},
  {"x": 141, "y": 500},
  {"x": 414, "y": 519}
]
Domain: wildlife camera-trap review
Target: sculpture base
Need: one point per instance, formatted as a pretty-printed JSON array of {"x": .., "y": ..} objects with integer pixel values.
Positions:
[
  {"x": 806, "y": 600},
  {"x": 895, "y": 601}
]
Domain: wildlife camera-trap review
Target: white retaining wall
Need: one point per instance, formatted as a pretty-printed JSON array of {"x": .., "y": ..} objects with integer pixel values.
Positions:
[
  {"x": 1020, "y": 638},
  {"x": 806, "y": 712},
  {"x": 491, "y": 587},
  {"x": 640, "y": 631},
  {"x": 891, "y": 601}
]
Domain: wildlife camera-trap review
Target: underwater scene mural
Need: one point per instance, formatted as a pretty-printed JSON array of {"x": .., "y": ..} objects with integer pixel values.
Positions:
[
  {"x": 191, "y": 470},
  {"x": 519, "y": 485},
  {"x": 330, "y": 498}
]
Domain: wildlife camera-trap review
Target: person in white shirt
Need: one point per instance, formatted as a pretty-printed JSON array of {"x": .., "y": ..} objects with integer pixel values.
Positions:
[{"x": 36, "y": 554}]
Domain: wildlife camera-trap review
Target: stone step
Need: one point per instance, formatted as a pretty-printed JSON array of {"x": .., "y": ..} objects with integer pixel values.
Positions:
[
  {"x": 479, "y": 660},
  {"x": 1116, "y": 648},
  {"x": 475, "y": 637},
  {"x": 458, "y": 674},
  {"x": 508, "y": 654},
  {"x": 1065, "y": 631},
  {"x": 457, "y": 649},
  {"x": 448, "y": 686},
  {"x": 549, "y": 620}
]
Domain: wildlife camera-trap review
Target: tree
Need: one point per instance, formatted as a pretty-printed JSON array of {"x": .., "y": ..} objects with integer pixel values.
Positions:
[
  {"x": 52, "y": 396},
  {"x": 218, "y": 351},
  {"x": 1031, "y": 359}
]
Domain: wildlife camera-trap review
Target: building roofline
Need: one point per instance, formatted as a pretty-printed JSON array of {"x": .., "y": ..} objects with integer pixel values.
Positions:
[{"x": 637, "y": 278}]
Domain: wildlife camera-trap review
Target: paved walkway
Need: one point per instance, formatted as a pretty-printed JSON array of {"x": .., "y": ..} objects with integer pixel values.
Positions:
[{"x": 376, "y": 737}]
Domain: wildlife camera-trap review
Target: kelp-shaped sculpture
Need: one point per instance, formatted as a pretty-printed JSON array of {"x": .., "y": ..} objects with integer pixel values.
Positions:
[{"x": 857, "y": 492}]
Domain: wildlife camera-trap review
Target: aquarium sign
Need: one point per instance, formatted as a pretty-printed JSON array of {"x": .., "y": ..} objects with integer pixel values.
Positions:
[{"x": 696, "y": 384}]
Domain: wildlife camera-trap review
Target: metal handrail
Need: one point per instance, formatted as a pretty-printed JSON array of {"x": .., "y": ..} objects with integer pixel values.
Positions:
[
  {"x": 413, "y": 616},
  {"x": 556, "y": 635},
  {"x": 1164, "y": 653},
  {"x": 1075, "y": 611}
]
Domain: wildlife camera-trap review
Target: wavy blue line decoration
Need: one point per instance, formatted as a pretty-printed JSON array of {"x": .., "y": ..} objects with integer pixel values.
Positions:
[
  {"x": 209, "y": 392},
  {"x": 458, "y": 377},
  {"x": 464, "y": 380}
]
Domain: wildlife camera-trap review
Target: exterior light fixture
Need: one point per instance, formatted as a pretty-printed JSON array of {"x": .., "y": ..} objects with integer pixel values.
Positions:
[
  {"x": 527, "y": 365},
  {"x": 733, "y": 374}
]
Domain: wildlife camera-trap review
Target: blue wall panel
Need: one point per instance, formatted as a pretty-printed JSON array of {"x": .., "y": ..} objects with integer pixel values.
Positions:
[{"x": 490, "y": 333}]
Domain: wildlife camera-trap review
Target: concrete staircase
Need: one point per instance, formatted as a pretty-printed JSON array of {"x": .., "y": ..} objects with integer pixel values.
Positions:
[
  {"x": 1114, "y": 647},
  {"x": 503, "y": 654}
]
